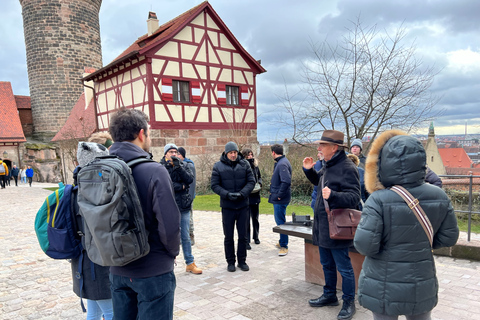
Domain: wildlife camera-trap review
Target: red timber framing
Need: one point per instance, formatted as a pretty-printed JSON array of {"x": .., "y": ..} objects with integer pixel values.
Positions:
[{"x": 201, "y": 51}]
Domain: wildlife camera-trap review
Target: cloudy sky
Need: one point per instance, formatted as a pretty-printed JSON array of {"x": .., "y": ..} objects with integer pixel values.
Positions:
[{"x": 446, "y": 35}]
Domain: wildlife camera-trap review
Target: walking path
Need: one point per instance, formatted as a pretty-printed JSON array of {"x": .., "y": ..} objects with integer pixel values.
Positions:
[{"x": 33, "y": 286}]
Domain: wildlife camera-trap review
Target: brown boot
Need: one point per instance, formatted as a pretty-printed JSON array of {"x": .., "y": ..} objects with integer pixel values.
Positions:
[{"x": 193, "y": 269}]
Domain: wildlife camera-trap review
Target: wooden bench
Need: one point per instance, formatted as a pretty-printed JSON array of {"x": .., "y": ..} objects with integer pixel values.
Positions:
[{"x": 313, "y": 267}]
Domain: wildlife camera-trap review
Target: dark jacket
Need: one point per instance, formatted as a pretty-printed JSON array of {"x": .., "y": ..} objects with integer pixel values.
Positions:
[
  {"x": 342, "y": 177},
  {"x": 254, "y": 198},
  {"x": 398, "y": 275},
  {"x": 191, "y": 190},
  {"x": 281, "y": 181},
  {"x": 232, "y": 176},
  {"x": 432, "y": 178},
  {"x": 15, "y": 172},
  {"x": 162, "y": 217},
  {"x": 181, "y": 177},
  {"x": 363, "y": 160}
]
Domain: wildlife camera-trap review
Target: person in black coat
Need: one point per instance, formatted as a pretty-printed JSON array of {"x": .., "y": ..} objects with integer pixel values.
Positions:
[
  {"x": 253, "y": 198},
  {"x": 15, "y": 172},
  {"x": 338, "y": 184},
  {"x": 181, "y": 177},
  {"x": 233, "y": 180}
]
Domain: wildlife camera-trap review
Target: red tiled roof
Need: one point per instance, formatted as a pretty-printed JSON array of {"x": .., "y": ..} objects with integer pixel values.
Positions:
[
  {"x": 168, "y": 30},
  {"x": 80, "y": 123},
  {"x": 10, "y": 125},
  {"x": 455, "y": 158},
  {"x": 23, "y": 102}
]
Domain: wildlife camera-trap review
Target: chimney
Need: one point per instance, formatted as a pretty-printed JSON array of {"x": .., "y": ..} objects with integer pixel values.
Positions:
[
  {"x": 152, "y": 23},
  {"x": 88, "y": 91}
]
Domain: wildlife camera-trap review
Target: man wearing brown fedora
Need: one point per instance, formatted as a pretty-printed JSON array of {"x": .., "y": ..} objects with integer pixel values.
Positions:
[{"x": 341, "y": 189}]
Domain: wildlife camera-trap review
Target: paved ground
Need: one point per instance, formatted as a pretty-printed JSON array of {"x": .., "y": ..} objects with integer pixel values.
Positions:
[{"x": 33, "y": 286}]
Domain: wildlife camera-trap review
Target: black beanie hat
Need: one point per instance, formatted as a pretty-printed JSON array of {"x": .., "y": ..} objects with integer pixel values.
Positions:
[{"x": 182, "y": 151}]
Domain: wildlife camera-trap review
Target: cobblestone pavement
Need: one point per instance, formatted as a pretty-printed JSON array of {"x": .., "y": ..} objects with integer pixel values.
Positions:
[{"x": 33, "y": 286}]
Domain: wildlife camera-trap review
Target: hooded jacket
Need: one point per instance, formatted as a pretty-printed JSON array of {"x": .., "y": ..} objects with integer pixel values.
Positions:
[
  {"x": 162, "y": 217},
  {"x": 398, "y": 275},
  {"x": 341, "y": 176},
  {"x": 232, "y": 176}
]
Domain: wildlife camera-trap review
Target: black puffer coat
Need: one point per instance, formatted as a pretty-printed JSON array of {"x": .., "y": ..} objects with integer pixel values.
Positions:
[
  {"x": 232, "y": 176},
  {"x": 341, "y": 176},
  {"x": 398, "y": 275},
  {"x": 181, "y": 177}
]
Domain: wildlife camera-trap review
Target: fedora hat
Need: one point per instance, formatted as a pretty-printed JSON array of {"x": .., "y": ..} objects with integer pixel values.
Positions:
[{"x": 333, "y": 136}]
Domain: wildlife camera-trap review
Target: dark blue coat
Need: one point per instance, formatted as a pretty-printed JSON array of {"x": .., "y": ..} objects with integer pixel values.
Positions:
[
  {"x": 281, "y": 181},
  {"x": 342, "y": 177},
  {"x": 15, "y": 172},
  {"x": 181, "y": 177}
]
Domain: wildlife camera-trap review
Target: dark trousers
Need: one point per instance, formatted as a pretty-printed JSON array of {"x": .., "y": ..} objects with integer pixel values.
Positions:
[
  {"x": 143, "y": 298},
  {"x": 30, "y": 180},
  {"x": 255, "y": 224},
  {"x": 333, "y": 260},
  {"x": 16, "y": 180},
  {"x": 7, "y": 180},
  {"x": 230, "y": 217}
]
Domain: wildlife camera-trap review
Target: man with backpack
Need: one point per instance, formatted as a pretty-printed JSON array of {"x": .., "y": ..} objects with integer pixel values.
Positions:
[
  {"x": 144, "y": 288},
  {"x": 3, "y": 173}
]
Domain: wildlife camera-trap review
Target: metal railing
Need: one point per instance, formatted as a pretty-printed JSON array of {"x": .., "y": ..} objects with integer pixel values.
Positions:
[{"x": 470, "y": 177}]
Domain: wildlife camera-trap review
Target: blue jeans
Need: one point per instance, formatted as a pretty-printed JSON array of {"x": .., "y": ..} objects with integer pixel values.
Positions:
[
  {"x": 331, "y": 260},
  {"x": 97, "y": 308},
  {"x": 185, "y": 237},
  {"x": 24, "y": 180},
  {"x": 143, "y": 298},
  {"x": 279, "y": 212}
]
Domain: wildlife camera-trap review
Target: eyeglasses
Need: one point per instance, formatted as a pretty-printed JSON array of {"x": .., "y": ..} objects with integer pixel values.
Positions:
[{"x": 172, "y": 152}]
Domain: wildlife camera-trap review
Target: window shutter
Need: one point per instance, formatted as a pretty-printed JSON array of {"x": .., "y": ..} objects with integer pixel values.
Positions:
[
  {"x": 196, "y": 93},
  {"x": 167, "y": 91},
  {"x": 244, "y": 95},
  {"x": 221, "y": 94}
]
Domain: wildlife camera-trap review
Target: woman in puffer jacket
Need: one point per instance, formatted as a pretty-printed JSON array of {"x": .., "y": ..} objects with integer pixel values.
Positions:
[{"x": 398, "y": 276}]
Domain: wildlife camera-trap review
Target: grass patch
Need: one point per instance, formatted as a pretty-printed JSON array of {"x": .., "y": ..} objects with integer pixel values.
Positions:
[
  {"x": 463, "y": 226},
  {"x": 211, "y": 202}
]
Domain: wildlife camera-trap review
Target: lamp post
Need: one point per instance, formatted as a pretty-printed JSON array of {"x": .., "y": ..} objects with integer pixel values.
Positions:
[{"x": 5, "y": 154}]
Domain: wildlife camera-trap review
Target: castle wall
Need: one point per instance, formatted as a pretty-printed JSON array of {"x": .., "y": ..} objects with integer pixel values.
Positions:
[{"x": 61, "y": 37}]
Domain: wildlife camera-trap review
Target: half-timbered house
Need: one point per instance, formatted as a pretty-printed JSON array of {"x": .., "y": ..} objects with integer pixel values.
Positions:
[{"x": 192, "y": 78}]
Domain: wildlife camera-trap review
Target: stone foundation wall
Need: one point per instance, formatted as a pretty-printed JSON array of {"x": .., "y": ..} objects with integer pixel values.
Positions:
[{"x": 45, "y": 162}]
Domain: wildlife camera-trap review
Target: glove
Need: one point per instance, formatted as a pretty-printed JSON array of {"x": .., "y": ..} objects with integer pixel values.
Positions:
[
  {"x": 175, "y": 161},
  {"x": 234, "y": 196}
]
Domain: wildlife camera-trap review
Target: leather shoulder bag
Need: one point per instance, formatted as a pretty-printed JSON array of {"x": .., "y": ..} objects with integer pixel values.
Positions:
[{"x": 342, "y": 223}]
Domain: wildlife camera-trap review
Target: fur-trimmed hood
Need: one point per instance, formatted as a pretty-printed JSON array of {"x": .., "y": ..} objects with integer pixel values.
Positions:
[{"x": 395, "y": 158}]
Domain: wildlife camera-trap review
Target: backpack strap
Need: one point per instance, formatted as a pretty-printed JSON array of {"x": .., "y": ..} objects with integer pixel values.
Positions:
[
  {"x": 414, "y": 204},
  {"x": 134, "y": 162}
]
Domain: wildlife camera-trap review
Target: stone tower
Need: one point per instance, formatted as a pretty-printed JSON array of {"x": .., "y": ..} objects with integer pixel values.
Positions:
[{"x": 61, "y": 37}]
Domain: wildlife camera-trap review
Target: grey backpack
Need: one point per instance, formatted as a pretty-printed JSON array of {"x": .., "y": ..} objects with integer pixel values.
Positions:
[{"x": 114, "y": 226}]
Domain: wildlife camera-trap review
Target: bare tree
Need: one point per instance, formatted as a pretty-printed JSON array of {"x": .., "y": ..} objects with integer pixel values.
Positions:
[{"x": 367, "y": 83}]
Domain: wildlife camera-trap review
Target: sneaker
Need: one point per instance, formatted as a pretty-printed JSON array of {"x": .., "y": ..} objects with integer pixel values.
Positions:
[
  {"x": 249, "y": 247},
  {"x": 193, "y": 269},
  {"x": 243, "y": 266},
  {"x": 257, "y": 241},
  {"x": 278, "y": 245},
  {"x": 231, "y": 268},
  {"x": 283, "y": 252}
]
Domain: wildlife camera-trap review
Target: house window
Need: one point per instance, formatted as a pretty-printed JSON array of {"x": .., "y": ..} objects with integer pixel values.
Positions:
[
  {"x": 181, "y": 91},
  {"x": 232, "y": 95}
]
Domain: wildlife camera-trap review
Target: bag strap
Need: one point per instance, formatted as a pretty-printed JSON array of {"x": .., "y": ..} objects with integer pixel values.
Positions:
[
  {"x": 325, "y": 203},
  {"x": 414, "y": 204}
]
